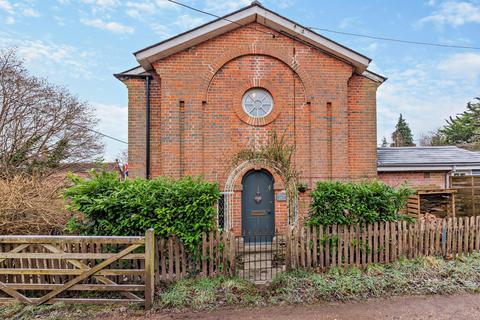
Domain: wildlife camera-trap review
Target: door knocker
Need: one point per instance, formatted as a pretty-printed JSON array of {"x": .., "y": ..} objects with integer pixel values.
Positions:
[{"x": 258, "y": 197}]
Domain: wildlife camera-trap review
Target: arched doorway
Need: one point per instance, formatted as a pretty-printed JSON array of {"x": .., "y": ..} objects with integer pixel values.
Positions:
[{"x": 258, "y": 206}]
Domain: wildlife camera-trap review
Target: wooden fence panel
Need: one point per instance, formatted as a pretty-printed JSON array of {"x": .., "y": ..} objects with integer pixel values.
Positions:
[
  {"x": 215, "y": 255},
  {"x": 323, "y": 247},
  {"x": 467, "y": 199}
]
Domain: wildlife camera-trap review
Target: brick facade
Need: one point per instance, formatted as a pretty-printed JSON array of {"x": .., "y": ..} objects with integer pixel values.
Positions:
[
  {"x": 197, "y": 122},
  {"x": 414, "y": 178}
]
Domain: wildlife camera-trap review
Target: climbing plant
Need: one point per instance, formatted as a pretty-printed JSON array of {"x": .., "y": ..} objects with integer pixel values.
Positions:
[{"x": 277, "y": 154}]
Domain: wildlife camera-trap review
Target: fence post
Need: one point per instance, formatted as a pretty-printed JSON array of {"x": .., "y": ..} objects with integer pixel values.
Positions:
[
  {"x": 149, "y": 268},
  {"x": 288, "y": 249},
  {"x": 232, "y": 253}
]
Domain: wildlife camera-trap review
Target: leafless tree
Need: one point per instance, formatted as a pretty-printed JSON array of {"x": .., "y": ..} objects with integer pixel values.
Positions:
[{"x": 42, "y": 126}]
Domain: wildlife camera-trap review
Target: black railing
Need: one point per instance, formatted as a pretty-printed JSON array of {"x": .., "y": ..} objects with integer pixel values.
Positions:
[{"x": 260, "y": 257}]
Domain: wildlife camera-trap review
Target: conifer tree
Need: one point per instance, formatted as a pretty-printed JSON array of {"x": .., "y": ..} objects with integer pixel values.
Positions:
[
  {"x": 402, "y": 136},
  {"x": 384, "y": 142}
]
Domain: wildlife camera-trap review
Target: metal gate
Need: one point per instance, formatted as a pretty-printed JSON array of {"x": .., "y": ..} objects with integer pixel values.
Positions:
[{"x": 260, "y": 258}]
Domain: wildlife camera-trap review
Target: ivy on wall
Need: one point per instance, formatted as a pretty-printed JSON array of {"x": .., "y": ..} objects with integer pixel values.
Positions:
[{"x": 278, "y": 155}]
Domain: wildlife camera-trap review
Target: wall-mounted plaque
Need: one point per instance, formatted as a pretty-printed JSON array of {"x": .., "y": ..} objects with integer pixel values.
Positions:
[{"x": 282, "y": 196}]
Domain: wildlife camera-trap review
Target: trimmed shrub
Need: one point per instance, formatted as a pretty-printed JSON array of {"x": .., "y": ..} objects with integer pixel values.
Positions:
[
  {"x": 348, "y": 203},
  {"x": 184, "y": 208}
]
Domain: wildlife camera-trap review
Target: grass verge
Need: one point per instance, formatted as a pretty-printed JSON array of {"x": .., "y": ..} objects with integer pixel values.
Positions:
[{"x": 421, "y": 276}]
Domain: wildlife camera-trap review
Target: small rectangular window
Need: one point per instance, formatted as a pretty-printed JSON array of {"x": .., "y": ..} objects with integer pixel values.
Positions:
[{"x": 426, "y": 175}]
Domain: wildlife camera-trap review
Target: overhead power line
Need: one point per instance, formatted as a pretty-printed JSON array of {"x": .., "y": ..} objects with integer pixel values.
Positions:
[
  {"x": 432, "y": 44},
  {"x": 85, "y": 128}
]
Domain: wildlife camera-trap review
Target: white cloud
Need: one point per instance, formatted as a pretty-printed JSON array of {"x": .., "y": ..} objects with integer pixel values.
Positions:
[
  {"x": 427, "y": 93},
  {"x": 225, "y": 6},
  {"x": 113, "y": 121},
  {"x": 187, "y": 21},
  {"x": 161, "y": 30},
  {"x": 9, "y": 20},
  {"x": 102, "y": 3},
  {"x": 17, "y": 9},
  {"x": 283, "y": 3},
  {"x": 462, "y": 66},
  {"x": 30, "y": 12},
  {"x": 454, "y": 13},
  {"x": 110, "y": 26},
  {"x": 48, "y": 58},
  {"x": 7, "y": 6},
  {"x": 347, "y": 22}
]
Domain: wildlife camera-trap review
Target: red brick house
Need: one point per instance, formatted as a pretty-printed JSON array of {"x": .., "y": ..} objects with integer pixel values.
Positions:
[{"x": 198, "y": 98}]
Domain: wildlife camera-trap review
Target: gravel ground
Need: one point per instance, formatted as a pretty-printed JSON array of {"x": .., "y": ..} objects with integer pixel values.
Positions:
[{"x": 408, "y": 307}]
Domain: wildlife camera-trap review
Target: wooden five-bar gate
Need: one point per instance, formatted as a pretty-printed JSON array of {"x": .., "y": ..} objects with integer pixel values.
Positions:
[{"x": 77, "y": 269}]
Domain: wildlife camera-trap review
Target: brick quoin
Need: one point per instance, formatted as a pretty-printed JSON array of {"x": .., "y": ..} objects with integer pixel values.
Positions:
[{"x": 197, "y": 123}]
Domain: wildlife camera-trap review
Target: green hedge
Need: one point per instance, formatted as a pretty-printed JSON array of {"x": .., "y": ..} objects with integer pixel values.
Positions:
[
  {"x": 184, "y": 207},
  {"x": 348, "y": 203}
]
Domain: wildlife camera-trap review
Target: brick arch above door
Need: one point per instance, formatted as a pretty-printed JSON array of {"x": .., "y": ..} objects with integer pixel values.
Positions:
[{"x": 257, "y": 50}]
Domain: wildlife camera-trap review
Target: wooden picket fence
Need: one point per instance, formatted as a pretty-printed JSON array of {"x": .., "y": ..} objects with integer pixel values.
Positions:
[
  {"x": 320, "y": 248},
  {"x": 77, "y": 269},
  {"x": 214, "y": 255}
]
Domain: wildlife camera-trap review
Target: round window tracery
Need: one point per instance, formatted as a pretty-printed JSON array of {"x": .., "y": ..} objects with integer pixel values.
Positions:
[{"x": 257, "y": 103}]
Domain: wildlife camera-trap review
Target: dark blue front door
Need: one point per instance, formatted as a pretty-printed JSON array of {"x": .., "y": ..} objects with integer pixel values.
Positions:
[{"x": 258, "y": 207}]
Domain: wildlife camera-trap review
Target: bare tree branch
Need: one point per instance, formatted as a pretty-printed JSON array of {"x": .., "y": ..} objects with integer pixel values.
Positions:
[{"x": 42, "y": 126}]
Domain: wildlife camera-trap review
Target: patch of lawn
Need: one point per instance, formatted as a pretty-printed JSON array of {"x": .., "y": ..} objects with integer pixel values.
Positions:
[
  {"x": 209, "y": 292},
  {"x": 60, "y": 311},
  {"x": 421, "y": 276}
]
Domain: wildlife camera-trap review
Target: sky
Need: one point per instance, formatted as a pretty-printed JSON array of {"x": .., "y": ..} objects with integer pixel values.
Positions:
[{"x": 79, "y": 44}]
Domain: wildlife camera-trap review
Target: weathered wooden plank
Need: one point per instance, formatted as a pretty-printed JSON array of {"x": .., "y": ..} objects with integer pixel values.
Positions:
[
  {"x": 105, "y": 272},
  {"x": 15, "y": 294},
  {"x": 358, "y": 260},
  {"x": 308, "y": 248},
  {"x": 375, "y": 242},
  {"x": 393, "y": 235},
  {"x": 381, "y": 242},
  {"x": 66, "y": 255},
  {"x": 387, "y": 242},
  {"x": 302, "y": 246},
  {"x": 345, "y": 245},
  {"x": 351, "y": 248},
  {"x": 315, "y": 247},
  {"x": 71, "y": 239},
  {"x": 477, "y": 233},
  {"x": 333, "y": 250},
  {"x": 204, "y": 254},
  {"x": 210, "y": 254},
  {"x": 77, "y": 287},
  {"x": 320, "y": 244},
  {"x": 327, "y": 237},
  {"x": 171, "y": 259}
]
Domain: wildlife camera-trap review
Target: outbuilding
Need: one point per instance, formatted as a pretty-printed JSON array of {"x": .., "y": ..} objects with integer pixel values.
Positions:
[{"x": 426, "y": 166}]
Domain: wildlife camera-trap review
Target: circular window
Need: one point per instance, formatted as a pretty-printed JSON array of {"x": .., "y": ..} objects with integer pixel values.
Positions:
[{"x": 257, "y": 103}]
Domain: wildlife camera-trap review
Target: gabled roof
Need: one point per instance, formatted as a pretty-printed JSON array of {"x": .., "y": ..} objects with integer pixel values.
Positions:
[
  {"x": 433, "y": 157},
  {"x": 252, "y": 13}
]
